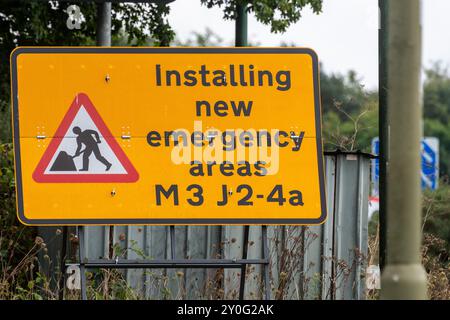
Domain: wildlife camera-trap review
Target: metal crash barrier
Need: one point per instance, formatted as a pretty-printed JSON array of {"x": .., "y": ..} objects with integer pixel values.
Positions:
[{"x": 317, "y": 262}]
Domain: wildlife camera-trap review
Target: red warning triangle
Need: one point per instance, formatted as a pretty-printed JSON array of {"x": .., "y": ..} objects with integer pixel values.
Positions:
[{"x": 84, "y": 150}]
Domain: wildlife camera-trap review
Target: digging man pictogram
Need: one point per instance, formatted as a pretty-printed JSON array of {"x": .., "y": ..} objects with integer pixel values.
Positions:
[{"x": 86, "y": 137}]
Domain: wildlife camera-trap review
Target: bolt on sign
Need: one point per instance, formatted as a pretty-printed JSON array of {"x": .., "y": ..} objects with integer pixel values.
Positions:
[{"x": 167, "y": 136}]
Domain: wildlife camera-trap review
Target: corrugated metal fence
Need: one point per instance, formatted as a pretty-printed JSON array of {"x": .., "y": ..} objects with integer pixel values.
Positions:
[{"x": 317, "y": 262}]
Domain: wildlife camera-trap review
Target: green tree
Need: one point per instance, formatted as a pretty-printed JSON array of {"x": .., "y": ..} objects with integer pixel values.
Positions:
[{"x": 279, "y": 14}]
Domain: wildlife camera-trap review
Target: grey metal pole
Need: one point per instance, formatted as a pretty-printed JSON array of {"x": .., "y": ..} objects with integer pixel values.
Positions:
[
  {"x": 103, "y": 39},
  {"x": 404, "y": 277},
  {"x": 383, "y": 127},
  {"x": 241, "y": 41},
  {"x": 104, "y": 24}
]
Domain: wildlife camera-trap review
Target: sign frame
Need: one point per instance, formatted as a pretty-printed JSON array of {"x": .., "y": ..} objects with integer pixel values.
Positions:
[{"x": 161, "y": 50}]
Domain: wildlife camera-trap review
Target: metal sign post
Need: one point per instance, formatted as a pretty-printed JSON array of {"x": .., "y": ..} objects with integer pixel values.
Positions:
[
  {"x": 383, "y": 125},
  {"x": 103, "y": 40},
  {"x": 173, "y": 262},
  {"x": 241, "y": 41},
  {"x": 100, "y": 162}
]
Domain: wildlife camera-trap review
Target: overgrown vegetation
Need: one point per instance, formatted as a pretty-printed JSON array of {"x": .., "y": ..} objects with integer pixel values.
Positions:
[
  {"x": 350, "y": 121},
  {"x": 39, "y": 23}
]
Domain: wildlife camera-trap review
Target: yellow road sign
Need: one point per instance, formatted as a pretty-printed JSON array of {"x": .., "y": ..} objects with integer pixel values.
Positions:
[{"x": 167, "y": 136}]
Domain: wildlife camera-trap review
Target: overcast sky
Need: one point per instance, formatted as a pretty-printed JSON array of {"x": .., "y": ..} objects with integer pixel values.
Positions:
[{"x": 344, "y": 35}]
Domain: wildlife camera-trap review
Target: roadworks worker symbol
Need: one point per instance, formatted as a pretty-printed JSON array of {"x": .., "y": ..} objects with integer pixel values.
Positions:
[{"x": 84, "y": 150}]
